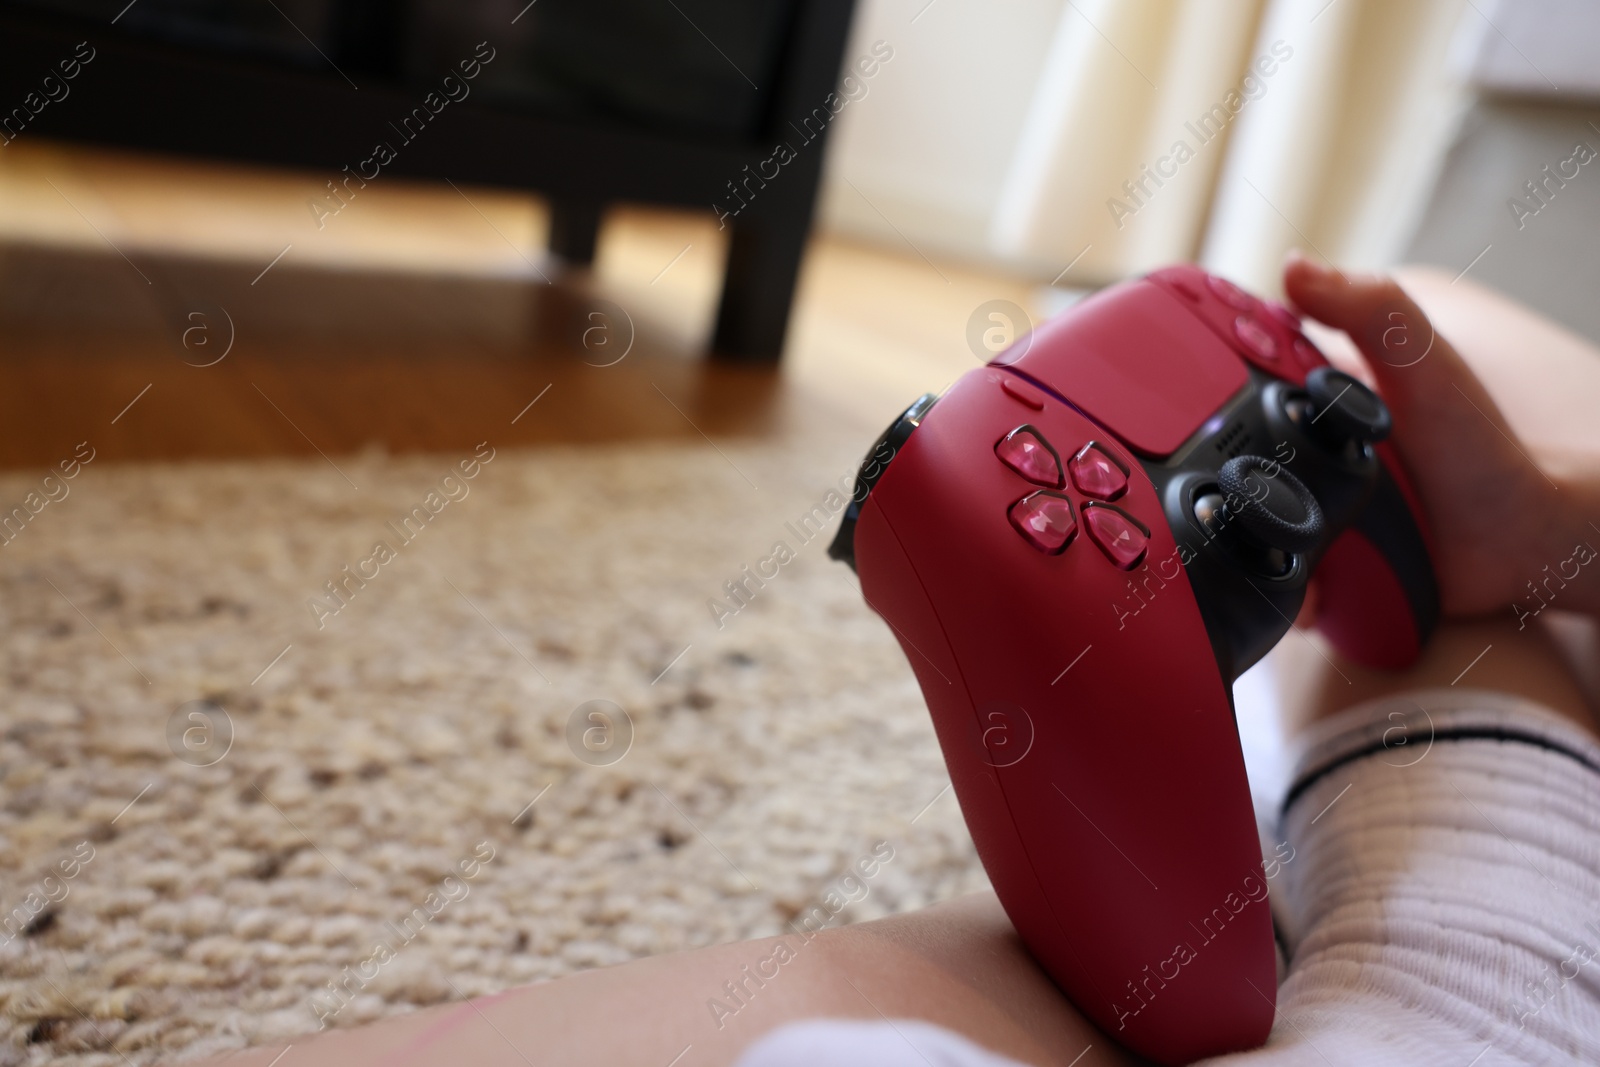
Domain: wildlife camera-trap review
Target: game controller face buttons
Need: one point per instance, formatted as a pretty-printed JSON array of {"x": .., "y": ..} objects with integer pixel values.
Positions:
[
  {"x": 1097, "y": 473},
  {"x": 1045, "y": 521},
  {"x": 1026, "y": 451},
  {"x": 1119, "y": 535}
]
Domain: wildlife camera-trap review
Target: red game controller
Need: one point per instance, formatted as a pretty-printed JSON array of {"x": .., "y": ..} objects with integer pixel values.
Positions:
[{"x": 1080, "y": 546}]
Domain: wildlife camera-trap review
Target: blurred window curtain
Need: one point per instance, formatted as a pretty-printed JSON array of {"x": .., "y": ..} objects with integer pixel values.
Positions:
[
  {"x": 1331, "y": 148},
  {"x": 1343, "y": 160},
  {"x": 1122, "y": 79}
]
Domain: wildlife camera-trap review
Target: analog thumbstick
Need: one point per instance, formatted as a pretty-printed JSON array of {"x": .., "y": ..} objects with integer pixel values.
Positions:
[
  {"x": 1345, "y": 408},
  {"x": 1272, "y": 505}
]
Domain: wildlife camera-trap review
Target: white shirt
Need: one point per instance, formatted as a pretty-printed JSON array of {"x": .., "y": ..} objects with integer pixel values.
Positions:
[{"x": 1443, "y": 907}]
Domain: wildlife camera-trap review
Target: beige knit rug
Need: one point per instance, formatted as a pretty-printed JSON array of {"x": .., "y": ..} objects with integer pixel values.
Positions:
[{"x": 408, "y": 775}]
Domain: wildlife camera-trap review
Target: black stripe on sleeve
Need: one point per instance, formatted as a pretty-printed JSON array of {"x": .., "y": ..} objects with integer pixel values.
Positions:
[{"x": 1465, "y": 733}]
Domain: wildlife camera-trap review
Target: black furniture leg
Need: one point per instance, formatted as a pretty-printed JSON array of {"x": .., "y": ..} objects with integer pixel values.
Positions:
[
  {"x": 758, "y": 288},
  {"x": 574, "y": 229}
]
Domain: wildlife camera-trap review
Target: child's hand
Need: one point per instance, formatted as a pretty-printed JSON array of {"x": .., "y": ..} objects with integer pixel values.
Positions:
[{"x": 1497, "y": 519}]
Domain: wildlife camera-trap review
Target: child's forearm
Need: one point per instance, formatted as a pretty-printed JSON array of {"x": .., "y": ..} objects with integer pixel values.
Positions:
[{"x": 1568, "y": 579}]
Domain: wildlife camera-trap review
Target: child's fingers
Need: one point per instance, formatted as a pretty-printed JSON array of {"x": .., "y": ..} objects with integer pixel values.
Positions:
[
  {"x": 1417, "y": 371},
  {"x": 1387, "y": 327},
  {"x": 1488, "y": 504}
]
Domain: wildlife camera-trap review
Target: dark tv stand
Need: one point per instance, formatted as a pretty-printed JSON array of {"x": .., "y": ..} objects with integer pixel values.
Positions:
[{"x": 184, "y": 99}]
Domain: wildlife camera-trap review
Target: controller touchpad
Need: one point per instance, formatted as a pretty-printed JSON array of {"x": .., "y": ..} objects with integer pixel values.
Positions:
[{"x": 1138, "y": 362}]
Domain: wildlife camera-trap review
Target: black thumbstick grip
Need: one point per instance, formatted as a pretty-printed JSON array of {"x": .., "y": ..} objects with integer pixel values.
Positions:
[
  {"x": 1346, "y": 408},
  {"x": 883, "y": 452},
  {"x": 1271, "y": 504}
]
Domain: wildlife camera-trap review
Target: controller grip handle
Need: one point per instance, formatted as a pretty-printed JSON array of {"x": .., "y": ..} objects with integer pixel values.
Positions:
[{"x": 1378, "y": 599}]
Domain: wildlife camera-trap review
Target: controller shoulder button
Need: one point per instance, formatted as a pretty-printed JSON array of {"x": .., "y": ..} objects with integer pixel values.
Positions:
[
  {"x": 1231, "y": 294},
  {"x": 1097, "y": 473},
  {"x": 1045, "y": 520},
  {"x": 1026, "y": 451},
  {"x": 1255, "y": 338},
  {"x": 1283, "y": 316},
  {"x": 1184, "y": 287},
  {"x": 1307, "y": 353},
  {"x": 1022, "y": 393},
  {"x": 1120, "y": 536}
]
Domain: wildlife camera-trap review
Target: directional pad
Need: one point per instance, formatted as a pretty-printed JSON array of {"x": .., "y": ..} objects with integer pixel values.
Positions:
[
  {"x": 1025, "y": 451},
  {"x": 1120, "y": 536}
]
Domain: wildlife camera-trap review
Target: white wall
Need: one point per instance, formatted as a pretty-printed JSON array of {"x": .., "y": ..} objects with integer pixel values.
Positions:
[{"x": 928, "y": 147}]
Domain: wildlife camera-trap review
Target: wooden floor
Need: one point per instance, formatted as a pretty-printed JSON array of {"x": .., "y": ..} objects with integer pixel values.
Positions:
[{"x": 166, "y": 310}]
